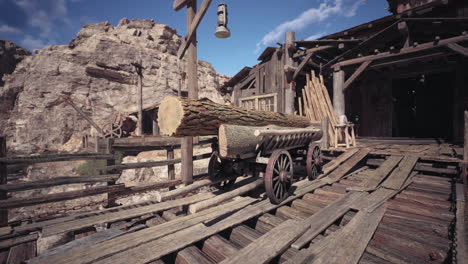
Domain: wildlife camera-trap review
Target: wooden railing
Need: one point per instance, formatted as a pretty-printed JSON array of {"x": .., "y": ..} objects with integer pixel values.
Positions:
[{"x": 109, "y": 174}]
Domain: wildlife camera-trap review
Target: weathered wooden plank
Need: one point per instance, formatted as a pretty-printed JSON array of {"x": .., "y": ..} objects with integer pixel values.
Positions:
[
  {"x": 269, "y": 245},
  {"x": 6, "y": 230},
  {"x": 318, "y": 222},
  {"x": 330, "y": 166},
  {"x": 249, "y": 186},
  {"x": 192, "y": 255},
  {"x": 356, "y": 74},
  {"x": 6, "y": 243},
  {"x": 218, "y": 248},
  {"x": 56, "y": 197},
  {"x": 458, "y": 48},
  {"x": 53, "y": 158},
  {"x": 21, "y": 253},
  {"x": 150, "y": 164},
  {"x": 80, "y": 243},
  {"x": 92, "y": 253},
  {"x": 179, "y": 4},
  {"x": 163, "y": 196},
  {"x": 77, "y": 224},
  {"x": 401, "y": 173},
  {"x": 378, "y": 175},
  {"x": 347, "y": 166},
  {"x": 346, "y": 245},
  {"x": 23, "y": 186}
]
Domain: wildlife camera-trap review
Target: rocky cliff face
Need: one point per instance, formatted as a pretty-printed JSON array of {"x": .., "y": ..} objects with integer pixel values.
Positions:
[
  {"x": 10, "y": 55},
  {"x": 97, "y": 70}
]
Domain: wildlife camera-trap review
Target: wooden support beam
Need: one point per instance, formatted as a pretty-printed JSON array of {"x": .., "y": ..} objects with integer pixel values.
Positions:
[
  {"x": 301, "y": 53},
  {"x": 191, "y": 31},
  {"x": 465, "y": 148},
  {"x": 289, "y": 85},
  {"x": 3, "y": 181},
  {"x": 338, "y": 95},
  {"x": 179, "y": 4},
  {"x": 82, "y": 114},
  {"x": 458, "y": 49},
  {"x": 356, "y": 74},
  {"x": 404, "y": 51},
  {"x": 301, "y": 66},
  {"x": 360, "y": 46},
  {"x": 462, "y": 256}
]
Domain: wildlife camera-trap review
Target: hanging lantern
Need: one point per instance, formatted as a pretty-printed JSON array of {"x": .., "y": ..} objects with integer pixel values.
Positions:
[{"x": 222, "y": 31}]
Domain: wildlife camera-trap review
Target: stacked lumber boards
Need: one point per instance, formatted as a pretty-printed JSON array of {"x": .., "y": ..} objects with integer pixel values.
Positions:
[{"x": 316, "y": 103}]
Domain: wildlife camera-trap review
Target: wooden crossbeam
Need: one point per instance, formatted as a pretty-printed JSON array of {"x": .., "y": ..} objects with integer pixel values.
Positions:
[
  {"x": 458, "y": 49},
  {"x": 362, "y": 44},
  {"x": 301, "y": 66},
  {"x": 311, "y": 50},
  {"x": 193, "y": 28},
  {"x": 356, "y": 74},
  {"x": 404, "y": 51},
  {"x": 179, "y": 4}
]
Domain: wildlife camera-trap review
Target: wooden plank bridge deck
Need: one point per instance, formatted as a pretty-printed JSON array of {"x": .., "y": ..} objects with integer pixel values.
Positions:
[{"x": 368, "y": 207}]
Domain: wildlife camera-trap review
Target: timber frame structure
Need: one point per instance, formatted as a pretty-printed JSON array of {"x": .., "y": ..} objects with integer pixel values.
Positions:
[{"x": 373, "y": 71}]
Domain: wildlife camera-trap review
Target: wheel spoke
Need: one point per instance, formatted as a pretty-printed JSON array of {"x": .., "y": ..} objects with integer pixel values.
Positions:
[{"x": 277, "y": 172}]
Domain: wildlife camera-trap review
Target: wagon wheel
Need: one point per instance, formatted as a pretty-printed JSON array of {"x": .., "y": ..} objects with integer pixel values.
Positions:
[
  {"x": 111, "y": 131},
  {"x": 313, "y": 161},
  {"x": 218, "y": 169},
  {"x": 278, "y": 176}
]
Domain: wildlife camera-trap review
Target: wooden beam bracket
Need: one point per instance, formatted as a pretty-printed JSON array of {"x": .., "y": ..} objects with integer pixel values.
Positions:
[{"x": 356, "y": 74}]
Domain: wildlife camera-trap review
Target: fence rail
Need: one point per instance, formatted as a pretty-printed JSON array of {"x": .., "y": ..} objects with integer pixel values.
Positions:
[{"x": 105, "y": 149}]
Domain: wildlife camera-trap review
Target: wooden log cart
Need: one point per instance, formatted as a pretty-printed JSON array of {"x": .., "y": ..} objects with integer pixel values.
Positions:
[{"x": 250, "y": 142}]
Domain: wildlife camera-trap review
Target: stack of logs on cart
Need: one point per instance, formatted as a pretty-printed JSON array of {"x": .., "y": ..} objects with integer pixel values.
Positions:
[{"x": 249, "y": 141}]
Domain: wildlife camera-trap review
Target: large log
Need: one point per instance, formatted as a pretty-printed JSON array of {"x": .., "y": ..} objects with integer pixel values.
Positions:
[
  {"x": 179, "y": 116},
  {"x": 243, "y": 141}
]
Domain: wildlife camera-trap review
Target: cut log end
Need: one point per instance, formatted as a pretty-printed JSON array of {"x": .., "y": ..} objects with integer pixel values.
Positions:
[{"x": 170, "y": 115}]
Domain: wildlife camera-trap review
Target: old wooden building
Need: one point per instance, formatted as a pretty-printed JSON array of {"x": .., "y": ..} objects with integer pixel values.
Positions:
[{"x": 403, "y": 75}]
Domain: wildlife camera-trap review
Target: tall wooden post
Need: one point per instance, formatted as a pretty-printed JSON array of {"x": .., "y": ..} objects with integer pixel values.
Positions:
[
  {"x": 3, "y": 180},
  {"x": 338, "y": 95},
  {"x": 138, "y": 68},
  {"x": 289, "y": 88},
  {"x": 324, "y": 142},
  {"x": 111, "y": 197},
  {"x": 187, "y": 142}
]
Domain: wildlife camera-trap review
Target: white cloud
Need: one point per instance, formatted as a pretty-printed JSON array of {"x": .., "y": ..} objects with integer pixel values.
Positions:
[
  {"x": 318, "y": 14},
  {"x": 7, "y": 29},
  {"x": 32, "y": 43},
  {"x": 316, "y": 35}
]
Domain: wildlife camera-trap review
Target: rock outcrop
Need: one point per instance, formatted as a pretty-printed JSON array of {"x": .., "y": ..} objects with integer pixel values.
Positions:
[
  {"x": 10, "y": 55},
  {"x": 97, "y": 70}
]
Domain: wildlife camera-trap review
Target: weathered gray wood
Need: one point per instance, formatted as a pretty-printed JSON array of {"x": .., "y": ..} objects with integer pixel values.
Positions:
[
  {"x": 3, "y": 181},
  {"x": 6, "y": 230},
  {"x": 78, "y": 243},
  {"x": 362, "y": 226},
  {"x": 380, "y": 196},
  {"x": 170, "y": 168},
  {"x": 6, "y": 243},
  {"x": 77, "y": 224},
  {"x": 179, "y": 4},
  {"x": 351, "y": 242},
  {"x": 288, "y": 80},
  {"x": 150, "y": 164},
  {"x": 401, "y": 173},
  {"x": 163, "y": 196},
  {"x": 458, "y": 49},
  {"x": 191, "y": 31},
  {"x": 330, "y": 166},
  {"x": 269, "y": 245},
  {"x": 91, "y": 254},
  {"x": 82, "y": 114},
  {"x": 302, "y": 64},
  {"x": 338, "y": 93},
  {"x": 324, "y": 143},
  {"x": 347, "y": 166},
  {"x": 22, "y": 252},
  {"x": 356, "y": 74},
  {"x": 53, "y": 157},
  {"x": 378, "y": 175},
  {"x": 244, "y": 141},
  {"x": 196, "y": 207},
  {"x": 318, "y": 222},
  {"x": 462, "y": 256},
  {"x": 23, "y": 186},
  {"x": 56, "y": 197}
]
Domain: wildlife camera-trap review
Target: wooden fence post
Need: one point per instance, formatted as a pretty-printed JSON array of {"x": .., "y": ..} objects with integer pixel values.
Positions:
[
  {"x": 111, "y": 197},
  {"x": 96, "y": 144},
  {"x": 170, "y": 168},
  {"x": 324, "y": 142},
  {"x": 3, "y": 180}
]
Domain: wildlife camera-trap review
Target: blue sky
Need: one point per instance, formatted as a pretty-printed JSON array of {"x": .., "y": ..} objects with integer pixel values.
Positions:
[{"x": 254, "y": 24}]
